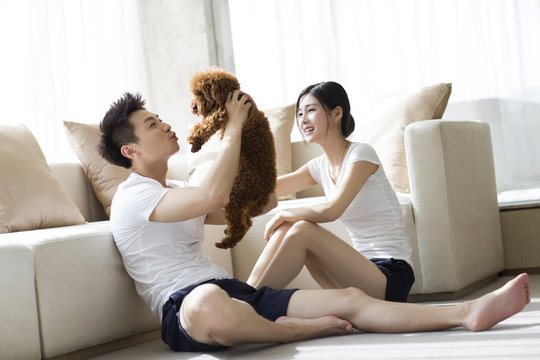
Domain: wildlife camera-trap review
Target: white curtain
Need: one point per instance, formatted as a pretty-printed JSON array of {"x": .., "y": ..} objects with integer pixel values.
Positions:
[
  {"x": 486, "y": 48},
  {"x": 67, "y": 60}
]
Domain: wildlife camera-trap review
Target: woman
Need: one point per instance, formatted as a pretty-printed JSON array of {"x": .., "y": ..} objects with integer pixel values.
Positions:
[{"x": 357, "y": 192}]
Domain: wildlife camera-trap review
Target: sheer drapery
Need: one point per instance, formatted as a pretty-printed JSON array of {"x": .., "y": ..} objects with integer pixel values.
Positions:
[
  {"x": 486, "y": 48},
  {"x": 67, "y": 60}
]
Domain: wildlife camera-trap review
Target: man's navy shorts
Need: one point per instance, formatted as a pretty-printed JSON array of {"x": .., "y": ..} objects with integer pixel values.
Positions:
[
  {"x": 267, "y": 302},
  {"x": 399, "y": 278}
]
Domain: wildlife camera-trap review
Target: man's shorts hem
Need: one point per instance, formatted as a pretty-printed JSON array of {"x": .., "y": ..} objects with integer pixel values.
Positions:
[{"x": 268, "y": 303}]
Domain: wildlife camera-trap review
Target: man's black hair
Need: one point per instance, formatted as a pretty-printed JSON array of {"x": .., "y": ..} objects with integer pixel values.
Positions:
[{"x": 116, "y": 130}]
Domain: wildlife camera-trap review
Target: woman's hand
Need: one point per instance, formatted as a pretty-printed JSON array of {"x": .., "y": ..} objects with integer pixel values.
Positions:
[
  {"x": 278, "y": 220},
  {"x": 237, "y": 106}
]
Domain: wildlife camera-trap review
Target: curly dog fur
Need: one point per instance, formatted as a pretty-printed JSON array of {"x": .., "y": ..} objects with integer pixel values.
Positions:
[{"x": 256, "y": 176}]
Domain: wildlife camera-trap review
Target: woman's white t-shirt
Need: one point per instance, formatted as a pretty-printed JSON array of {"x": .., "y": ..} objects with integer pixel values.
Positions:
[
  {"x": 160, "y": 257},
  {"x": 373, "y": 219}
]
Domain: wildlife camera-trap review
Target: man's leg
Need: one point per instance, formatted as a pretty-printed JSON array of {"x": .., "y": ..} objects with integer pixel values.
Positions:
[
  {"x": 211, "y": 317},
  {"x": 372, "y": 315}
]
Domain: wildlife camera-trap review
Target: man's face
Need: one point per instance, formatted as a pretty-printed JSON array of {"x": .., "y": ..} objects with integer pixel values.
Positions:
[{"x": 156, "y": 139}]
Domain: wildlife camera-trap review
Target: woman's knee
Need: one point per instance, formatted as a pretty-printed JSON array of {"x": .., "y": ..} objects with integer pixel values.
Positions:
[{"x": 300, "y": 231}]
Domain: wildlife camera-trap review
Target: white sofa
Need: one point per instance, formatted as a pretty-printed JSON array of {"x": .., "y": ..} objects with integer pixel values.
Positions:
[{"x": 65, "y": 289}]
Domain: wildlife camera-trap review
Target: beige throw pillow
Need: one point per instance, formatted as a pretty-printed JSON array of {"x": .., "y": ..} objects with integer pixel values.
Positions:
[
  {"x": 104, "y": 176},
  {"x": 281, "y": 122},
  {"x": 385, "y": 124},
  {"x": 30, "y": 196}
]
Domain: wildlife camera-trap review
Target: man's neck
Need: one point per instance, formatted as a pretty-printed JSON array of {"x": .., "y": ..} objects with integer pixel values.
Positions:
[{"x": 155, "y": 170}]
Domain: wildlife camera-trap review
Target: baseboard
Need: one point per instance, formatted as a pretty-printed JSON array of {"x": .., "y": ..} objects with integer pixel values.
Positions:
[
  {"x": 451, "y": 296},
  {"x": 109, "y": 347},
  {"x": 514, "y": 272}
]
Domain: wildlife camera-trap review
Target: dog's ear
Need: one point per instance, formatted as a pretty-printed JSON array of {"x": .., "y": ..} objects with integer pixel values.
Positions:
[
  {"x": 219, "y": 118},
  {"x": 223, "y": 83}
]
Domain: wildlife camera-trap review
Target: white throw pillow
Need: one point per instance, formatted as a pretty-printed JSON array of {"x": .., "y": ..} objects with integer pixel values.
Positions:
[{"x": 385, "y": 124}]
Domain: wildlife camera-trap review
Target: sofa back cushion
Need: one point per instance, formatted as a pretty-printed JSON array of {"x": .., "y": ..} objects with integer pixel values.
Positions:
[
  {"x": 30, "y": 196},
  {"x": 74, "y": 182}
]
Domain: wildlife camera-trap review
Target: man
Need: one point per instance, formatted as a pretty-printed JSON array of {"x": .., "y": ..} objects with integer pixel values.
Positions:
[{"x": 158, "y": 227}]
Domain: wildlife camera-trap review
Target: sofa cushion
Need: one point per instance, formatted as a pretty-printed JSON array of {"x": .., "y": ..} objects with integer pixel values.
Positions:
[
  {"x": 386, "y": 121},
  {"x": 281, "y": 122},
  {"x": 104, "y": 176},
  {"x": 30, "y": 196}
]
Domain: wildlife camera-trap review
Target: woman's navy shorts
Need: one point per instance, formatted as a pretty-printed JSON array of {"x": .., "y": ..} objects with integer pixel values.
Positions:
[
  {"x": 399, "y": 278},
  {"x": 267, "y": 302}
]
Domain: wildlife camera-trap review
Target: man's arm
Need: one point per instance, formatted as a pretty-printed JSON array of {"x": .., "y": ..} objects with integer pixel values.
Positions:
[
  {"x": 216, "y": 217},
  {"x": 187, "y": 203}
]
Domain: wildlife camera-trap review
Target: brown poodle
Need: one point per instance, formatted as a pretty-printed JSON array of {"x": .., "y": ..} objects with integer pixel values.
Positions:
[{"x": 256, "y": 176}]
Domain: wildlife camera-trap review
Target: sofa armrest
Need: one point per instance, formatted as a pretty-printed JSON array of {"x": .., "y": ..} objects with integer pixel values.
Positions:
[
  {"x": 19, "y": 329},
  {"x": 454, "y": 200},
  {"x": 84, "y": 295}
]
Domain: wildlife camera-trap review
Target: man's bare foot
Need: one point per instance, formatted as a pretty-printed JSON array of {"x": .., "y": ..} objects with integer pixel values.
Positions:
[
  {"x": 303, "y": 329},
  {"x": 498, "y": 305}
]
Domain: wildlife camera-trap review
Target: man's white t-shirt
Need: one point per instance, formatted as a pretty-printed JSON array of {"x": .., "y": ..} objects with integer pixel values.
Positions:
[
  {"x": 373, "y": 219},
  {"x": 160, "y": 257}
]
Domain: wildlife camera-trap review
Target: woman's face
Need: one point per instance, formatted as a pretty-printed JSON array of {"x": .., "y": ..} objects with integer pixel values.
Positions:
[{"x": 313, "y": 119}]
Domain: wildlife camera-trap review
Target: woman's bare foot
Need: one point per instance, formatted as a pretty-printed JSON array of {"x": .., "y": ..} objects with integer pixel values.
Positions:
[
  {"x": 498, "y": 305},
  {"x": 314, "y": 328}
]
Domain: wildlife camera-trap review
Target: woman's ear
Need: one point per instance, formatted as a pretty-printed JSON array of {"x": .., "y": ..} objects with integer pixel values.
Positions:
[
  {"x": 128, "y": 151},
  {"x": 338, "y": 113}
]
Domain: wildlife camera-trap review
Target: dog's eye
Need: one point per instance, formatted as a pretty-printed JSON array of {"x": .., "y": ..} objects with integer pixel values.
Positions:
[{"x": 194, "y": 108}]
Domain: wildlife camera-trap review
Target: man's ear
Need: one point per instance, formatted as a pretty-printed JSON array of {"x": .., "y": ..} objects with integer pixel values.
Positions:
[{"x": 129, "y": 151}]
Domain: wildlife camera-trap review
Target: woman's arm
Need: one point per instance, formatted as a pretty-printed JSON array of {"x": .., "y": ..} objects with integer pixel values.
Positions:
[
  {"x": 186, "y": 203},
  {"x": 286, "y": 184},
  {"x": 355, "y": 177},
  {"x": 293, "y": 182}
]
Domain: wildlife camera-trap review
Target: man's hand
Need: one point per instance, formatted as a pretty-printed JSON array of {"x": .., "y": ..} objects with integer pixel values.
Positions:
[{"x": 237, "y": 106}]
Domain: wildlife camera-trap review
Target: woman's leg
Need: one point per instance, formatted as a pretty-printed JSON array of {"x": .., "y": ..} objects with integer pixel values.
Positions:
[
  {"x": 267, "y": 255},
  {"x": 336, "y": 261},
  {"x": 372, "y": 315},
  {"x": 318, "y": 273}
]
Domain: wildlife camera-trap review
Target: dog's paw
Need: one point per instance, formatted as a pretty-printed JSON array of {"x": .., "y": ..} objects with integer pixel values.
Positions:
[
  {"x": 222, "y": 245},
  {"x": 195, "y": 147},
  {"x": 226, "y": 243}
]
